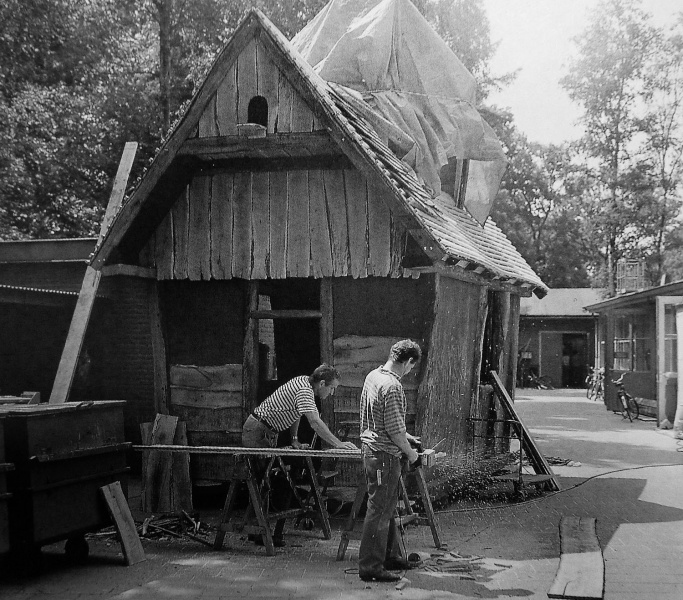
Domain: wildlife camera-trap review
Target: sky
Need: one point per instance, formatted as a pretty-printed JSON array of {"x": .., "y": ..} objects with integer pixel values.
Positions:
[{"x": 535, "y": 36}]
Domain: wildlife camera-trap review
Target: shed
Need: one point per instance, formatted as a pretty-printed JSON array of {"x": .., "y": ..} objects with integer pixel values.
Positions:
[
  {"x": 557, "y": 336},
  {"x": 277, "y": 230},
  {"x": 641, "y": 340}
]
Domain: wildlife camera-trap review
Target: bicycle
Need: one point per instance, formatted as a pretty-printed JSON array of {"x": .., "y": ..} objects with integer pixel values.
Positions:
[
  {"x": 595, "y": 384},
  {"x": 629, "y": 407},
  {"x": 540, "y": 383}
]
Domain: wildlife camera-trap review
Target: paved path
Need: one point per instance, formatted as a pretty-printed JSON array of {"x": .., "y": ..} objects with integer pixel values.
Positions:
[{"x": 639, "y": 513}]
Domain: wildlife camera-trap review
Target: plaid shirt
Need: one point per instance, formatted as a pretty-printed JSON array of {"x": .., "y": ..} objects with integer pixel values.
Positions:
[{"x": 382, "y": 411}]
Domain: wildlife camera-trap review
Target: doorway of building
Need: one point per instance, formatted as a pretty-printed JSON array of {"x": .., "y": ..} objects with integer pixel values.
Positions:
[
  {"x": 574, "y": 359},
  {"x": 289, "y": 341}
]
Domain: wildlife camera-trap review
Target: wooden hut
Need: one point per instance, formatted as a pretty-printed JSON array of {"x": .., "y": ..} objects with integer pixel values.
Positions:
[{"x": 275, "y": 230}]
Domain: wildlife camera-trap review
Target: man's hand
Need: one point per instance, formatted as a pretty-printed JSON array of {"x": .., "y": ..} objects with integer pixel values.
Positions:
[
  {"x": 346, "y": 446},
  {"x": 413, "y": 440},
  {"x": 412, "y": 456}
]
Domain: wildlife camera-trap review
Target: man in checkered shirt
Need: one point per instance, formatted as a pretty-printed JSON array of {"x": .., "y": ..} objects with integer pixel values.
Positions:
[{"x": 385, "y": 443}]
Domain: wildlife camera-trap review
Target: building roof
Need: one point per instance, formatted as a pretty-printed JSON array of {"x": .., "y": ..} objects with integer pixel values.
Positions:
[
  {"x": 632, "y": 298},
  {"x": 447, "y": 234},
  {"x": 561, "y": 302}
]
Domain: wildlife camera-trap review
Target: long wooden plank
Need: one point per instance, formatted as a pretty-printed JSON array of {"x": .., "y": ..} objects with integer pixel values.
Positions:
[
  {"x": 321, "y": 242},
  {"x": 260, "y": 209},
  {"x": 298, "y": 237},
  {"x": 379, "y": 234},
  {"x": 278, "y": 220},
  {"x": 221, "y": 226},
  {"x": 536, "y": 458},
  {"x": 581, "y": 573},
  {"x": 163, "y": 247},
  {"x": 357, "y": 211},
  {"x": 336, "y": 209},
  {"x": 285, "y": 97},
  {"x": 181, "y": 226},
  {"x": 214, "y": 377},
  {"x": 244, "y": 451},
  {"x": 119, "y": 510},
  {"x": 208, "y": 127},
  {"x": 205, "y": 398},
  {"x": 199, "y": 244},
  {"x": 181, "y": 486},
  {"x": 158, "y": 352},
  {"x": 247, "y": 80},
  {"x": 158, "y": 475},
  {"x": 268, "y": 78},
  {"x": 226, "y": 103},
  {"x": 241, "y": 230},
  {"x": 86, "y": 298}
]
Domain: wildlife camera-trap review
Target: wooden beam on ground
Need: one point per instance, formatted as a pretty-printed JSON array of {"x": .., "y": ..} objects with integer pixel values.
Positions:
[
  {"x": 529, "y": 446},
  {"x": 91, "y": 281},
  {"x": 119, "y": 510},
  {"x": 581, "y": 574}
]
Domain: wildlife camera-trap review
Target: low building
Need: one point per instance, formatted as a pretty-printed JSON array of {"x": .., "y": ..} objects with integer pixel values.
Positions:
[
  {"x": 640, "y": 334},
  {"x": 557, "y": 336}
]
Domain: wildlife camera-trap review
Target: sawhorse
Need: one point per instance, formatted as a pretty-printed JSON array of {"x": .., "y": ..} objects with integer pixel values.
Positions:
[
  {"x": 245, "y": 471},
  {"x": 349, "y": 532}
]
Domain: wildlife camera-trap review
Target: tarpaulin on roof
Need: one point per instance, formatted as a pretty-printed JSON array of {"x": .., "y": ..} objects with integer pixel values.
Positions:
[{"x": 412, "y": 86}]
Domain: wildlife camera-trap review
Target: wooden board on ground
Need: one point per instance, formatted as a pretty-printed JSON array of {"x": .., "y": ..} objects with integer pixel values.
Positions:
[
  {"x": 529, "y": 446},
  {"x": 581, "y": 574},
  {"x": 120, "y": 512}
]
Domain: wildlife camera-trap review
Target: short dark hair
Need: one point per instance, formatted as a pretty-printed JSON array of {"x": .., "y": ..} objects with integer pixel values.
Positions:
[
  {"x": 325, "y": 373},
  {"x": 404, "y": 350}
]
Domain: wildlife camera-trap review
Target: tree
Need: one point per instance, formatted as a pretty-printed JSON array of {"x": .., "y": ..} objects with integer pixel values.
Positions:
[
  {"x": 534, "y": 206},
  {"x": 661, "y": 152},
  {"x": 606, "y": 79}
]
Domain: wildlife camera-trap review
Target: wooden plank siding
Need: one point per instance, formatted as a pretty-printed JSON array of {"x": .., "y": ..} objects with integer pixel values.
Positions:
[
  {"x": 255, "y": 74},
  {"x": 278, "y": 224}
]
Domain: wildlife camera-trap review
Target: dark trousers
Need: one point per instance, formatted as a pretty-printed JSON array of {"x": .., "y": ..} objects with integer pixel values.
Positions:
[
  {"x": 378, "y": 542},
  {"x": 256, "y": 435}
]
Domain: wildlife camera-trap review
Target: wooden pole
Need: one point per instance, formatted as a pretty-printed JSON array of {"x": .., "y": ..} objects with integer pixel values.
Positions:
[{"x": 91, "y": 281}]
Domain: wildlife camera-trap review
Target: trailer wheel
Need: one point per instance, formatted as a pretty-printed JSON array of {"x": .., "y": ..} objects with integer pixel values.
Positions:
[{"x": 77, "y": 549}]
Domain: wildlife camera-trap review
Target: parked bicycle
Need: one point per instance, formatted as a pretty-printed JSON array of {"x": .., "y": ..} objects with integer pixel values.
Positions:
[
  {"x": 595, "y": 384},
  {"x": 540, "y": 383},
  {"x": 629, "y": 407}
]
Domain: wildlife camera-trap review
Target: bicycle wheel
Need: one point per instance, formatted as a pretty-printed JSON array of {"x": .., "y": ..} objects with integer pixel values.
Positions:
[
  {"x": 589, "y": 387},
  {"x": 593, "y": 391},
  {"x": 633, "y": 408}
]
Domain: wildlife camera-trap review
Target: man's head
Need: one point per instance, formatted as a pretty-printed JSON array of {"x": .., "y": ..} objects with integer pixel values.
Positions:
[
  {"x": 406, "y": 353},
  {"x": 324, "y": 381}
]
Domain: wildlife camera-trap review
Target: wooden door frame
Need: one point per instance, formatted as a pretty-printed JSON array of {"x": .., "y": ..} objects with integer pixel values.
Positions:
[{"x": 662, "y": 303}]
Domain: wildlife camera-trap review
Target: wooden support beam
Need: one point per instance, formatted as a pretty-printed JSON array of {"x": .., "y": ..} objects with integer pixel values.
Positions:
[
  {"x": 129, "y": 271},
  {"x": 91, "y": 281}
]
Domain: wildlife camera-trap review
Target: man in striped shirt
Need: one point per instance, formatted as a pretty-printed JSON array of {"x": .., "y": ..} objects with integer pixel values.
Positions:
[
  {"x": 283, "y": 409},
  {"x": 385, "y": 443}
]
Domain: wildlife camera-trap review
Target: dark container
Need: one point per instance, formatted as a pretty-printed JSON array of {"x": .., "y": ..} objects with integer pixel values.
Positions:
[
  {"x": 62, "y": 455},
  {"x": 5, "y": 467}
]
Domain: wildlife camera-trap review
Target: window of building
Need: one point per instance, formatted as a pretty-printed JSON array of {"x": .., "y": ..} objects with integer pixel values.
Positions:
[
  {"x": 670, "y": 340},
  {"x": 633, "y": 343},
  {"x": 257, "y": 111}
]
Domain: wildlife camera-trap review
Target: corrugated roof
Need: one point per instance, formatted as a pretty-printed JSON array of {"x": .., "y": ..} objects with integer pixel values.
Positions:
[{"x": 561, "y": 302}]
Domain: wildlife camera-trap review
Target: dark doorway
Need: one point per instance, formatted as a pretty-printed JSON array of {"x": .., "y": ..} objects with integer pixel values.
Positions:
[
  {"x": 288, "y": 347},
  {"x": 574, "y": 359}
]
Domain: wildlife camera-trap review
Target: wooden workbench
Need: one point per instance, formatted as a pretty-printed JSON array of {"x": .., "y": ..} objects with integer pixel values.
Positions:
[{"x": 245, "y": 471}]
